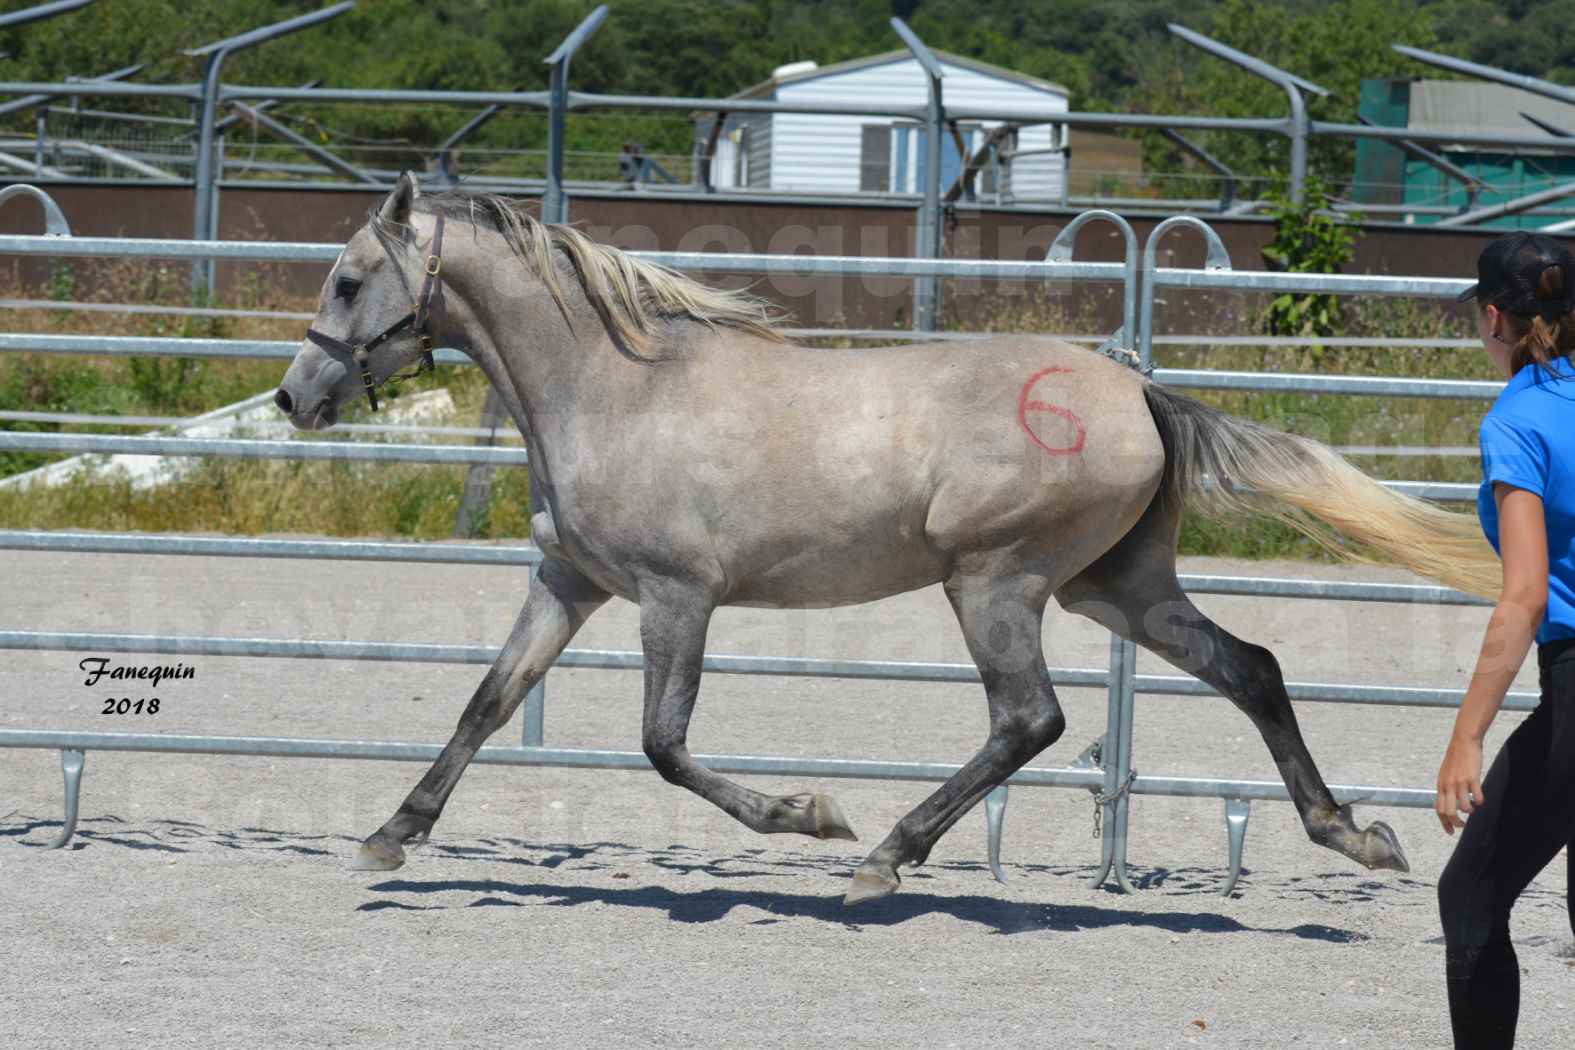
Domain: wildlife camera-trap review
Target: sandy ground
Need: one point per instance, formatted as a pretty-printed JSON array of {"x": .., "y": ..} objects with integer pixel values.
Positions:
[{"x": 206, "y": 901}]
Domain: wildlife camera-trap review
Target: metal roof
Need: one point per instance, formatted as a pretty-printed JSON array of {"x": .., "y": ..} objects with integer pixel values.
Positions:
[
  {"x": 767, "y": 88},
  {"x": 1477, "y": 107}
]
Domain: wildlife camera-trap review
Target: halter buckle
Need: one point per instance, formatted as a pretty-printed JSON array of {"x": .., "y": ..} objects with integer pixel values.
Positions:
[{"x": 434, "y": 265}]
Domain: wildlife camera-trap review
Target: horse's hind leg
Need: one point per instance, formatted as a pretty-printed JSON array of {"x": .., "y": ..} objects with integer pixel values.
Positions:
[
  {"x": 673, "y": 622},
  {"x": 560, "y": 600},
  {"x": 1001, "y": 619},
  {"x": 1133, "y": 591}
]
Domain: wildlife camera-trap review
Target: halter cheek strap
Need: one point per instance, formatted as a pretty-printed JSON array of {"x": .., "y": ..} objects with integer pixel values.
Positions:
[{"x": 418, "y": 320}]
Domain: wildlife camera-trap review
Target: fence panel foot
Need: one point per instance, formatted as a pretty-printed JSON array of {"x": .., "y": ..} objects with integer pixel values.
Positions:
[
  {"x": 1120, "y": 870},
  {"x": 995, "y": 817},
  {"x": 71, "y": 768},
  {"x": 1237, "y": 810}
]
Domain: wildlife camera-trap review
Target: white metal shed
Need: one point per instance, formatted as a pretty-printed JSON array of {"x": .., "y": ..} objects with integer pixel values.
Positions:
[{"x": 812, "y": 153}]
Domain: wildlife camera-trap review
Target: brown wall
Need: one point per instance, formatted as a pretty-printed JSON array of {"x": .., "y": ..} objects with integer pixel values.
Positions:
[{"x": 651, "y": 221}]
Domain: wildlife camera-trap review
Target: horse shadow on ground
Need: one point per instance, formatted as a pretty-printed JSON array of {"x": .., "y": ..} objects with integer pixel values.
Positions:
[
  {"x": 712, "y": 904},
  {"x": 602, "y": 862},
  {"x": 171, "y": 836},
  {"x": 692, "y": 885}
]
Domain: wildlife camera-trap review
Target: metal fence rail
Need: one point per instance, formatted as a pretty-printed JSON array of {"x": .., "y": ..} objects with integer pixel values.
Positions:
[
  {"x": 206, "y": 162},
  {"x": 89, "y": 419},
  {"x": 1106, "y": 767},
  {"x": 234, "y": 547},
  {"x": 452, "y": 455},
  {"x": 893, "y": 334},
  {"x": 244, "y": 448},
  {"x": 417, "y": 431},
  {"x": 1240, "y": 792},
  {"x": 631, "y": 660},
  {"x": 1183, "y": 378},
  {"x": 490, "y": 554}
]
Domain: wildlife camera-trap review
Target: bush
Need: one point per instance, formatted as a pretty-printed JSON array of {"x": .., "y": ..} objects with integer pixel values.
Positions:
[{"x": 1308, "y": 238}]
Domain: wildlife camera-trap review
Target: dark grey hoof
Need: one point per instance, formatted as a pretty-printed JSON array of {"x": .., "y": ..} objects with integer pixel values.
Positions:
[
  {"x": 816, "y": 815},
  {"x": 378, "y": 853},
  {"x": 1375, "y": 847},
  {"x": 1383, "y": 849},
  {"x": 829, "y": 821},
  {"x": 870, "y": 883}
]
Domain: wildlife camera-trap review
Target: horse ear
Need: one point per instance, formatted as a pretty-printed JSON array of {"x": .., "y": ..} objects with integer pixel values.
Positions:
[{"x": 396, "y": 207}]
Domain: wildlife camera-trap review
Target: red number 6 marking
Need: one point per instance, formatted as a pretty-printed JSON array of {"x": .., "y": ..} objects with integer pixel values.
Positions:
[{"x": 1027, "y": 403}]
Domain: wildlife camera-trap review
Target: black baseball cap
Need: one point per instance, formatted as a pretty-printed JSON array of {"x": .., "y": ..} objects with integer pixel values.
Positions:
[{"x": 1510, "y": 269}]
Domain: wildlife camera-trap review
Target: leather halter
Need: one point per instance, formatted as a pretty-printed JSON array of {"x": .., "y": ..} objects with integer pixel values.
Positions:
[{"x": 417, "y": 320}]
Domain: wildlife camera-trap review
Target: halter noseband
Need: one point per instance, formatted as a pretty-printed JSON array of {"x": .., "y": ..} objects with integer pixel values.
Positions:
[{"x": 417, "y": 320}]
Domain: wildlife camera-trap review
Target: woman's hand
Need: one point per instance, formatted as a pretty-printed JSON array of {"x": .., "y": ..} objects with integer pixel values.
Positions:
[{"x": 1459, "y": 782}]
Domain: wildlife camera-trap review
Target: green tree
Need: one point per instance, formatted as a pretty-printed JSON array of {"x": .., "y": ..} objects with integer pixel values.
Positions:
[{"x": 1334, "y": 45}]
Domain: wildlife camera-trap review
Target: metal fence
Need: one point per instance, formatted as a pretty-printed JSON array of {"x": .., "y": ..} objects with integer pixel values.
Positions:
[
  {"x": 1105, "y": 767},
  {"x": 206, "y": 131}
]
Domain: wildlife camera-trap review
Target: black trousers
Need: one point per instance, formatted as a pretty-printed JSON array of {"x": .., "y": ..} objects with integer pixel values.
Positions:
[{"x": 1528, "y": 817}]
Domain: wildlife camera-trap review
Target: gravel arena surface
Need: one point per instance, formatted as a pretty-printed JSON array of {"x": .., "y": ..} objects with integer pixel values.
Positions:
[{"x": 207, "y": 902}]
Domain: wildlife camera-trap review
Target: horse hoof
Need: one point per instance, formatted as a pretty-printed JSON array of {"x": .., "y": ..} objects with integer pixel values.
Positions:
[
  {"x": 829, "y": 821},
  {"x": 1383, "y": 849},
  {"x": 871, "y": 884},
  {"x": 378, "y": 853}
]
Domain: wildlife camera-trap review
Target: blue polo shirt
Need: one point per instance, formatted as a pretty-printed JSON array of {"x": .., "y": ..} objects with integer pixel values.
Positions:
[{"x": 1528, "y": 441}]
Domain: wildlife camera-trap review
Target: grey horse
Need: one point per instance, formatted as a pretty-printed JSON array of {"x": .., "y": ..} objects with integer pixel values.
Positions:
[{"x": 685, "y": 456}]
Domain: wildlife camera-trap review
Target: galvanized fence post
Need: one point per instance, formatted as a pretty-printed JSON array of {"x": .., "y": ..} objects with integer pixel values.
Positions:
[
  {"x": 533, "y": 718},
  {"x": 1297, "y": 126},
  {"x": 1061, "y": 252},
  {"x": 1109, "y": 801},
  {"x": 1217, "y": 258},
  {"x": 554, "y": 208},
  {"x": 41, "y": 132},
  {"x": 1300, "y": 128},
  {"x": 55, "y": 224},
  {"x": 929, "y": 236},
  {"x": 1120, "y": 773},
  {"x": 206, "y": 174},
  {"x": 477, "y": 492},
  {"x": 554, "y": 202}
]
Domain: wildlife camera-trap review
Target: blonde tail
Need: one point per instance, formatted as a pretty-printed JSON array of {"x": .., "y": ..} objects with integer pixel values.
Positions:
[{"x": 1223, "y": 466}]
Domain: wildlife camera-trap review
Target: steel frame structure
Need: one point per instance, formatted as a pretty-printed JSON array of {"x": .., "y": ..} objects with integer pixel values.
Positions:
[{"x": 210, "y": 95}]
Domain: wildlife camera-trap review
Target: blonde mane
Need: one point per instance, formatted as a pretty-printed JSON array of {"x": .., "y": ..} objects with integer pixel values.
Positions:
[{"x": 633, "y": 298}]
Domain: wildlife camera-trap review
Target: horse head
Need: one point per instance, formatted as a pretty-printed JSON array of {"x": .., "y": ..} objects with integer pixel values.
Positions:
[{"x": 371, "y": 322}]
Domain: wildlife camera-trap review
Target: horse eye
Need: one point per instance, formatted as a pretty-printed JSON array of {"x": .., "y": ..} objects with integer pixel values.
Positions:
[{"x": 346, "y": 287}]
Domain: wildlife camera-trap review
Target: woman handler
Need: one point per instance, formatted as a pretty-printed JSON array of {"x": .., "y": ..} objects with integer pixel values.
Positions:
[{"x": 1522, "y": 813}]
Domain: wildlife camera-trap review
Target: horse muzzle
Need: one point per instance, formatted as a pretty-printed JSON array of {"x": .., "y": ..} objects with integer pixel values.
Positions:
[{"x": 318, "y": 417}]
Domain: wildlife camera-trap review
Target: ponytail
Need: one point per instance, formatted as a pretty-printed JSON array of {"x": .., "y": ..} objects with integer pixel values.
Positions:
[{"x": 1550, "y": 331}]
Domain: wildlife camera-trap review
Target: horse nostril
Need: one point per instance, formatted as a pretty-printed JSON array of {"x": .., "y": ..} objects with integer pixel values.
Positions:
[{"x": 282, "y": 399}]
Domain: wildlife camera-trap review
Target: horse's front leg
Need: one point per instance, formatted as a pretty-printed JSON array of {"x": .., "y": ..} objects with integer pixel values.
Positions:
[{"x": 560, "y": 600}]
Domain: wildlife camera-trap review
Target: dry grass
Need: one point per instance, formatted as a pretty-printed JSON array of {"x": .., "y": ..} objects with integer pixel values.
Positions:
[
  {"x": 419, "y": 501},
  {"x": 414, "y": 501},
  {"x": 227, "y": 496}
]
